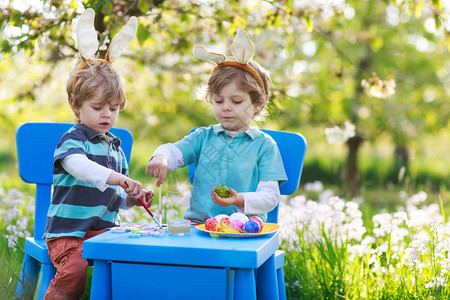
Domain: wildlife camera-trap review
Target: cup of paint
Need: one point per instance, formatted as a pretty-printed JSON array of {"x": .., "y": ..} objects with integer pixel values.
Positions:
[{"x": 179, "y": 227}]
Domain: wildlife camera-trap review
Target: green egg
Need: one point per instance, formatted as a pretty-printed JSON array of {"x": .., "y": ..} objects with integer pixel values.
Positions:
[{"x": 222, "y": 191}]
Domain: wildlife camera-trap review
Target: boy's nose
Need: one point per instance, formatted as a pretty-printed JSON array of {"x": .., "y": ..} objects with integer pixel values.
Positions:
[{"x": 226, "y": 107}]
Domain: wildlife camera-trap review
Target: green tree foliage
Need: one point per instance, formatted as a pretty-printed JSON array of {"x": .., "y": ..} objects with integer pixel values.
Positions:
[{"x": 318, "y": 52}]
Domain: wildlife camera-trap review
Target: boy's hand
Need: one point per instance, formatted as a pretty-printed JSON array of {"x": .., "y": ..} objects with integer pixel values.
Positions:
[
  {"x": 233, "y": 199},
  {"x": 157, "y": 167},
  {"x": 132, "y": 188},
  {"x": 147, "y": 200}
]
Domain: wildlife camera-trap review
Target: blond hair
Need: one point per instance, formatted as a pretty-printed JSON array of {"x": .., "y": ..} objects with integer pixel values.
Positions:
[
  {"x": 83, "y": 84},
  {"x": 244, "y": 81}
]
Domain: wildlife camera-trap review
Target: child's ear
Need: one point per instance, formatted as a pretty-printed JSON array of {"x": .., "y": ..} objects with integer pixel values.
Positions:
[
  {"x": 258, "y": 107},
  {"x": 76, "y": 110}
]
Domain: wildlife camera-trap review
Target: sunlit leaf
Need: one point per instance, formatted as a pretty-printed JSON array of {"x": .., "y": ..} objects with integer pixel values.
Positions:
[
  {"x": 184, "y": 17},
  {"x": 438, "y": 4},
  {"x": 376, "y": 44},
  {"x": 16, "y": 17},
  {"x": 309, "y": 23},
  {"x": 74, "y": 5},
  {"x": 5, "y": 46},
  {"x": 143, "y": 6},
  {"x": 109, "y": 7},
  {"x": 142, "y": 34},
  {"x": 288, "y": 6},
  {"x": 418, "y": 9},
  {"x": 431, "y": 118},
  {"x": 278, "y": 21}
]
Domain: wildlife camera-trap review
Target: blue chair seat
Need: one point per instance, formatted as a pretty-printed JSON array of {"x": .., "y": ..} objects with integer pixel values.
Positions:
[
  {"x": 37, "y": 248},
  {"x": 36, "y": 143}
]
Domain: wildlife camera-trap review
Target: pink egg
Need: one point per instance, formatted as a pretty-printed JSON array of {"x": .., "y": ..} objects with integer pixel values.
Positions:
[
  {"x": 212, "y": 224},
  {"x": 236, "y": 225},
  {"x": 258, "y": 220}
]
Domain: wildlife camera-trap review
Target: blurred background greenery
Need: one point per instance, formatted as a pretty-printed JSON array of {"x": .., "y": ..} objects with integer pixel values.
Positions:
[
  {"x": 366, "y": 82},
  {"x": 379, "y": 65}
]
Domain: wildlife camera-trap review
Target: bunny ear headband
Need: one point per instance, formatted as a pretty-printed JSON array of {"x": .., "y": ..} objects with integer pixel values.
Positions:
[
  {"x": 88, "y": 44},
  {"x": 242, "y": 49}
]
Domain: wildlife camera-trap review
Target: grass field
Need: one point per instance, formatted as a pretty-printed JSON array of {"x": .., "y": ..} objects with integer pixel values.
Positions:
[
  {"x": 335, "y": 248},
  {"x": 333, "y": 251}
]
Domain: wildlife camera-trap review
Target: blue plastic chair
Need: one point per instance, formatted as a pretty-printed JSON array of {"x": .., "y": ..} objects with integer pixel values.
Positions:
[
  {"x": 36, "y": 143},
  {"x": 292, "y": 147}
]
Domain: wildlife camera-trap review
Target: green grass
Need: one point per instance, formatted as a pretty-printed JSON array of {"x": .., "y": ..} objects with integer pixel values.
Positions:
[
  {"x": 320, "y": 265},
  {"x": 10, "y": 263},
  {"x": 321, "y": 268},
  {"x": 317, "y": 270}
]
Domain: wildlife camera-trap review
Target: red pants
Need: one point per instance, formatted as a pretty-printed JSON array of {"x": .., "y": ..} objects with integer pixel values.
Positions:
[{"x": 66, "y": 255}]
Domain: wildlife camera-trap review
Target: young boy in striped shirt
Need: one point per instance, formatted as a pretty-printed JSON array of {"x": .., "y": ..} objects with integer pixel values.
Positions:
[{"x": 90, "y": 176}]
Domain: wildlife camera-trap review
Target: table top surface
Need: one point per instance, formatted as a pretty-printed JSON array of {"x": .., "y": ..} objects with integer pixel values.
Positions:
[{"x": 196, "y": 249}]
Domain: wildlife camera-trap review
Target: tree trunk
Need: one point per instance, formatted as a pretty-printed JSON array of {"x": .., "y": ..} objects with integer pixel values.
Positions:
[
  {"x": 401, "y": 162},
  {"x": 352, "y": 171}
]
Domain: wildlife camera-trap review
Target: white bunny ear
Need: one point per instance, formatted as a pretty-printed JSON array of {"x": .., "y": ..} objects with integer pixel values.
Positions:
[
  {"x": 86, "y": 35},
  {"x": 242, "y": 48},
  {"x": 204, "y": 54},
  {"x": 122, "y": 39}
]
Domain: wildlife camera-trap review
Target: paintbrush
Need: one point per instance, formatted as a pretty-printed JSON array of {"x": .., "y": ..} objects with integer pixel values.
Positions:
[
  {"x": 160, "y": 204},
  {"x": 146, "y": 208}
]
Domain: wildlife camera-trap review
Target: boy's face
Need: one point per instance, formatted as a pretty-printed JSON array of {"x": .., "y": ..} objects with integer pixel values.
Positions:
[
  {"x": 97, "y": 116},
  {"x": 233, "y": 108}
]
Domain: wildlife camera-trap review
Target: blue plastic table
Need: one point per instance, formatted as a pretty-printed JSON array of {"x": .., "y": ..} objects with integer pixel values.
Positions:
[{"x": 182, "y": 267}]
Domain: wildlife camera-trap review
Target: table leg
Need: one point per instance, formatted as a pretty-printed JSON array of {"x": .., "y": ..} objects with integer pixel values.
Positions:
[
  {"x": 266, "y": 280},
  {"x": 245, "y": 284},
  {"x": 101, "y": 280}
]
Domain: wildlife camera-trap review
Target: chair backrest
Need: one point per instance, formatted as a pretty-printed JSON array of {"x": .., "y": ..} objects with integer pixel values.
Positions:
[
  {"x": 292, "y": 148},
  {"x": 36, "y": 144}
]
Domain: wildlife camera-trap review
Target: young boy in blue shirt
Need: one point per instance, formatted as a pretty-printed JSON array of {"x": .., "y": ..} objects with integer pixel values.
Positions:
[{"x": 231, "y": 153}]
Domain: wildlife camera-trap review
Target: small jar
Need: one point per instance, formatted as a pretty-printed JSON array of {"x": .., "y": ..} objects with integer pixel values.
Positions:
[{"x": 179, "y": 227}]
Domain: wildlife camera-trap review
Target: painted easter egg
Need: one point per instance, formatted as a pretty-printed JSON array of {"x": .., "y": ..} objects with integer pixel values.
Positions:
[
  {"x": 225, "y": 222},
  {"x": 251, "y": 227},
  {"x": 236, "y": 225},
  {"x": 239, "y": 216},
  {"x": 259, "y": 220},
  {"x": 221, "y": 216},
  {"x": 222, "y": 191},
  {"x": 212, "y": 224}
]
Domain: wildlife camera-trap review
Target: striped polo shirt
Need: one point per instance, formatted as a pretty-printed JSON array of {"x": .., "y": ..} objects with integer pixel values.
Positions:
[{"x": 78, "y": 207}]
